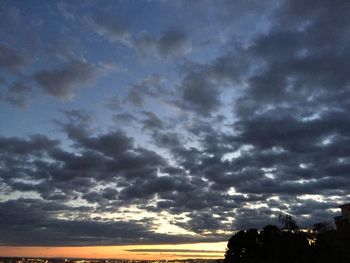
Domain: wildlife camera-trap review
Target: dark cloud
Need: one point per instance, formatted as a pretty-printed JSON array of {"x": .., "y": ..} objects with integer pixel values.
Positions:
[
  {"x": 247, "y": 217},
  {"x": 12, "y": 59},
  {"x": 36, "y": 145},
  {"x": 32, "y": 222},
  {"x": 288, "y": 123},
  {"x": 282, "y": 147},
  {"x": 124, "y": 118},
  {"x": 135, "y": 97},
  {"x": 150, "y": 87},
  {"x": 204, "y": 223},
  {"x": 152, "y": 122},
  {"x": 109, "y": 193},
  {"x": 171, "y": 43},
  {"x": 63, "y": 82},
  {"x": 200, "y": 94},
  {"x": 202, "y": 87},
  {"x": 156, "y": 185},
  {"x": 110, "y": 144}
]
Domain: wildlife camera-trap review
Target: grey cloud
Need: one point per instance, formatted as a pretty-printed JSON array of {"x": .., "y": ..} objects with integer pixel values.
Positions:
[
  {"x": 110, "y": 26},
  {"x": 152, "y": 122},
  {"x": 10, "y": 17},
  {"x": 113, "y": 103},
  {"x": 109, "y": 193},
  {"x": 63, "y": 8},
  {"x": 151, "y": 87},
  {"x": 203, "y": 84},
  {"x": 124, "y": 118},
  {"x": 135, "y": 97},
  {"x": 145, "y": 43},
  {"x": 169, "y": 140},
  {"x": 62, "y": 47},
  {"x": 80, "y": 118}
]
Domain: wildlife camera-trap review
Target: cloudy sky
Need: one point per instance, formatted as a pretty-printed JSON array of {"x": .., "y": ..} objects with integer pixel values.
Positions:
[{"x": 169, "y": 122}]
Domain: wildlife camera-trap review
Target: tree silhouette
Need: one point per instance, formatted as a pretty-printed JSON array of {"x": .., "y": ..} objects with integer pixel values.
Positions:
[
  {"x": 322, "y": 227},
  {"x": 333, "y": 246},
  {"x": 289, "y": 244},
  {"x": 288, "y": 222},
  {"x": 269, "y": 245},
  {"x": 243, "y": 247}
]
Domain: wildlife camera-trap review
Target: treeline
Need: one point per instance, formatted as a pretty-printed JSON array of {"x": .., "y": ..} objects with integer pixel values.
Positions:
[{"x": 290, "y": 244}]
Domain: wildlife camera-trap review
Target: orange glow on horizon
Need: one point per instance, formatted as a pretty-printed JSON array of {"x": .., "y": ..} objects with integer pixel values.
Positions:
[{"x": 181, "y": 251}]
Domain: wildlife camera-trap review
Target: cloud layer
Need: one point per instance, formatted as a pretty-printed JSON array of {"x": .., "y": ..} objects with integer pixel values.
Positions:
[{"x": 199, "y": 135}]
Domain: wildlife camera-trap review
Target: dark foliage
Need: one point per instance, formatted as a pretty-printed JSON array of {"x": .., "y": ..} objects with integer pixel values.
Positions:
[
  {"x": 272, "y": 244},
  {"x": 333, "y": 246}
]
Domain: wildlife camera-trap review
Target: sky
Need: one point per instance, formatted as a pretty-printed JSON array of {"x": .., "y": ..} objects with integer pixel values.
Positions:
[{"x": 159, "y": 124}]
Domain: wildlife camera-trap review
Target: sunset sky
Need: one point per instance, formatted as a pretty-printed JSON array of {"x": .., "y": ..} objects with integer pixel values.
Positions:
[
  {"x": 160, "y": 251},
  {"x": 155, "y": 129}
]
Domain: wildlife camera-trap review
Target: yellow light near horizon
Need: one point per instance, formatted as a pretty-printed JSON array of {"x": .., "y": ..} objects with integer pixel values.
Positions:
[{"x": 122, "y": 252}]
